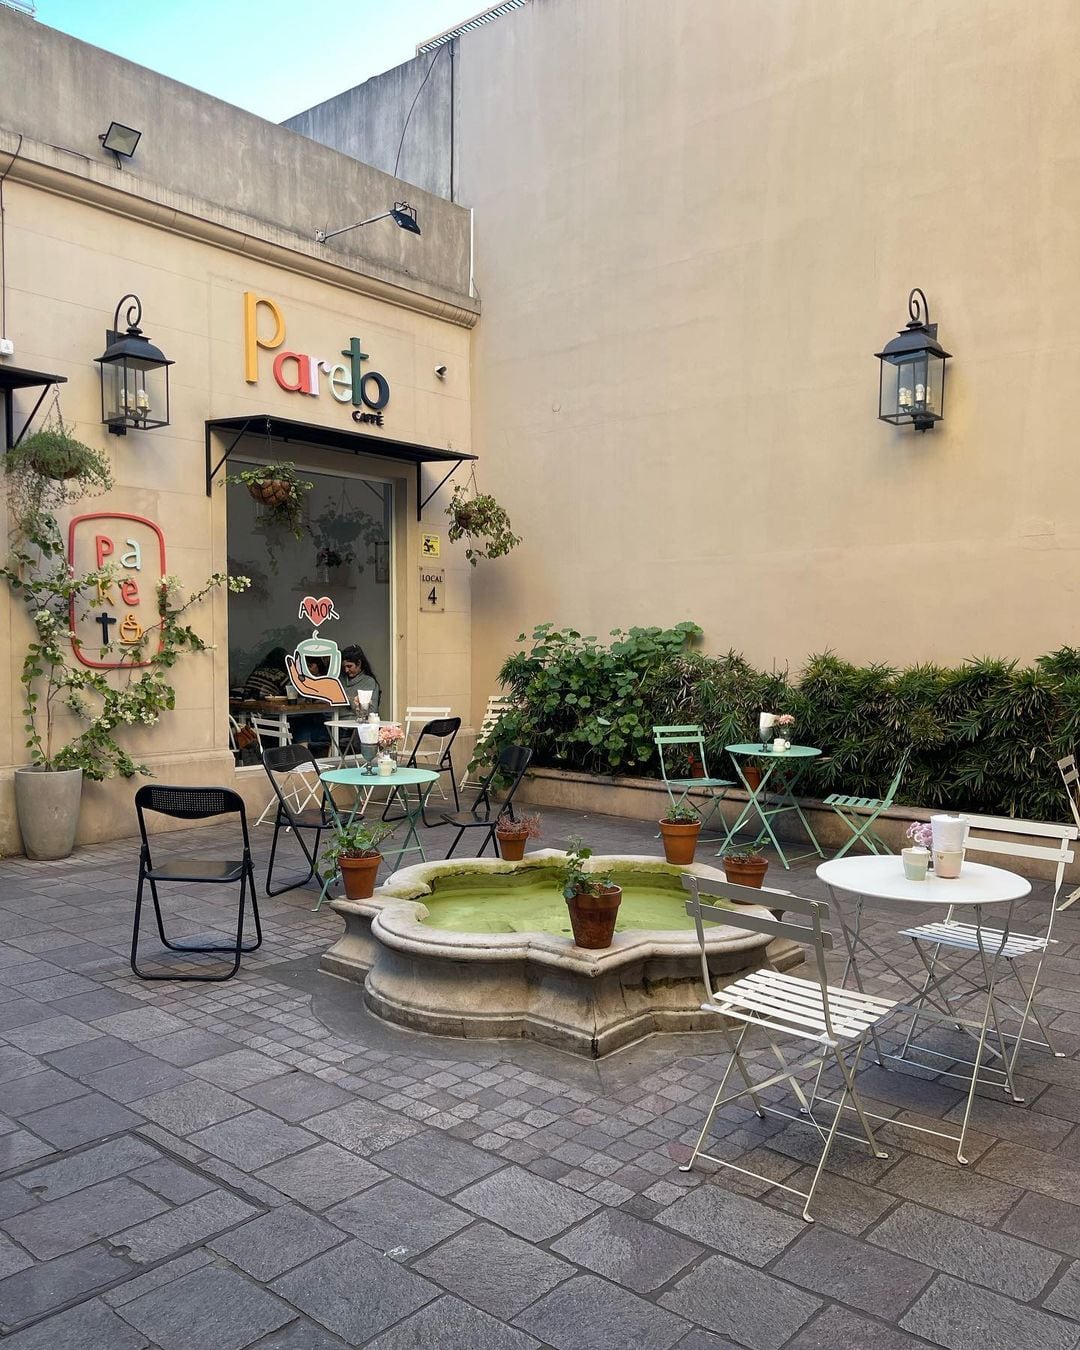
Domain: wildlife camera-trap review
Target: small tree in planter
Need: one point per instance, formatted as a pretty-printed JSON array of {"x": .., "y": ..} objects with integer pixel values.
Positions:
[
  {"x": 483, "y": 522},
  {"x": 513, "y": 832},
  {"x": 591, "y": 897},
  {"x": 745, "y": 867},
  {"x": 680, "y": 829},
  {"x": 354, "y": 854}
]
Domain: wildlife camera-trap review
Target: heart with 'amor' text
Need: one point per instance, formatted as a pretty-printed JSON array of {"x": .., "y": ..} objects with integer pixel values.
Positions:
[{"x": 318, "y": 609}]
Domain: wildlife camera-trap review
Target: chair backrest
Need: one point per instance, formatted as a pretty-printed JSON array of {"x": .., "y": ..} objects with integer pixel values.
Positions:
[
  {"x": 416, "y": 720},
  {"x": 1070, "y": 776},
  {"x": 746, "y": 912},
  {"x": 1056, "y": 852},
  {"x": 187, "y": 803},
  {"x": 266, "y": 724},
  {"x": 497, "y": 706},
  {"x": 280, "y": 761},
  {"x": 234, "y": 727},
  {"x": 442, "y": 731},
  {"x": 688, "y": 739},
  {"x": 894, "y": 786},
  {"x": 511, "y": 763}
]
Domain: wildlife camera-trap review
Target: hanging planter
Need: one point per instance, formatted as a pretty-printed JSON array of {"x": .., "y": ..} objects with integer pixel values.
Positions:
[
  {"x": 280, "y": 489},
  {"x": 50, "y": 467},
  {"x": 482, "y": 521}
]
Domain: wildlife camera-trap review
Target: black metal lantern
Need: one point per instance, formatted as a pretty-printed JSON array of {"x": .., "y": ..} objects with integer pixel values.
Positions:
[
  {"x": 134, "y": 376},
  {"x": 912, "y": 386}
]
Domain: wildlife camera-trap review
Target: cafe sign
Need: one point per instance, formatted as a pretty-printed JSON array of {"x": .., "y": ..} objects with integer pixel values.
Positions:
[
  {"x": 107, "y": 628},
  {"x": 347, "y": 382}
]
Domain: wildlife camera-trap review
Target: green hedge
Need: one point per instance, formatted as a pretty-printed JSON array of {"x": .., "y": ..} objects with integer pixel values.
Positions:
[{"x": 984, "y": 736}]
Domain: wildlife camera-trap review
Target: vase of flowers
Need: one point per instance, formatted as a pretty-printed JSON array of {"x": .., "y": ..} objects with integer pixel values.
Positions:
[
  {"x": 390, "y": 738},
  {"x": 785, "y": 727}
]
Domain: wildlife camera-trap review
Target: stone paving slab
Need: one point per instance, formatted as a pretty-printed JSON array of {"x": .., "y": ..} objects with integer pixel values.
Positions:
[{"x": 263, "y": 1163}]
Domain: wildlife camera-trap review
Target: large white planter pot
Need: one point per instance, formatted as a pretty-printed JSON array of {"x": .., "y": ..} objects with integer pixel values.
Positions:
[{"x": 48, "y": 808}]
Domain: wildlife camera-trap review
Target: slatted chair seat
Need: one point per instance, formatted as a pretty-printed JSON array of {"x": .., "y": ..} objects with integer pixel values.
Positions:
[
  {"x": 798, "y": 1007},
  {"x": 688, "y": 784},
  {"x": 853, "y": 803},
  {"x": 965, "y": 937}
]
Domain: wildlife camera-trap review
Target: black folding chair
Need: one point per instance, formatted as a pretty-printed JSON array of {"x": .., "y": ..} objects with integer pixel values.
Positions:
[
  {"x": 280, "y": 761},
  {"x": 193, "y": 803},
  {"x": 510, "y": 764},
  {"x": 439, "y": 730}
]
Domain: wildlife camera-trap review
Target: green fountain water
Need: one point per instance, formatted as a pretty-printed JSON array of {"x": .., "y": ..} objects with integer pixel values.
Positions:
[{"x": 530, "y": 902}]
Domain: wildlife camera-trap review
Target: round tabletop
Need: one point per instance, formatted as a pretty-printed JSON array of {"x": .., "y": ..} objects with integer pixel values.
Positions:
[
  {"x": 753, "y": 749},
  {"x": 354, "y": 724},
  {"x": 399, "y": 778},
  {"x": 881, "y": 877}
]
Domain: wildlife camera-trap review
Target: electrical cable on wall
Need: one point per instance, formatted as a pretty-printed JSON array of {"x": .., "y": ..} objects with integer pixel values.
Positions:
[{"x": 412, "y": 107}]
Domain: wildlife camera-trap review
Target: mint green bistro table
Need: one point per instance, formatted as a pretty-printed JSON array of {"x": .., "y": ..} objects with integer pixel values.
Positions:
[
  {"x": 398, "y": 781},
  {"x": 789, "y": 766}
]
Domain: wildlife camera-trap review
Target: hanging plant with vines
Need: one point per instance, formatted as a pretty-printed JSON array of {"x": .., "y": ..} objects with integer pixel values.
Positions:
[{"x": 482, "y": 521}]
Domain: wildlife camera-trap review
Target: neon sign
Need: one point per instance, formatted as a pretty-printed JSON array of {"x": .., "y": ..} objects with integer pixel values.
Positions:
[{"x": 298, "y": 373}]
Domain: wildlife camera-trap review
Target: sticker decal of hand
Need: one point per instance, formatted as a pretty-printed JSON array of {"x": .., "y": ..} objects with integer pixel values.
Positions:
[{"x": 322, "y": 688}]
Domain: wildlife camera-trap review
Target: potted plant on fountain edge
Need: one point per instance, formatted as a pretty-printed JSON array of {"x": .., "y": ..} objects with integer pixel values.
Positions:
[
  {"x": 680, "y": 828},
  {"x": 513, "y": 832},
  {"x": 591, "y": 897},
  {"x": 355, "y": 854}
]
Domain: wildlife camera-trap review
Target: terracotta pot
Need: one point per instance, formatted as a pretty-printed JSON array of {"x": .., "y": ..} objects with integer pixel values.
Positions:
[
  {"x": 746, "y": 873},
  {"x": 752, "y": 774},
  {"x": 272, "y": 492},
  {"x": 358, "y": 874},
  {"x": 511, "y": 846},
  {"x": 680, "y": 841},
  {"x": 592, "y": 917}
]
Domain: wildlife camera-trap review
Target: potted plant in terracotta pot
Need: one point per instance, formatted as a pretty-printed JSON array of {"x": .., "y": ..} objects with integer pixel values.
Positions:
[
  {"x": 591, "y": 897},
  {"x": 680, "y": 829},
  {"x": 513, "y": 832},
  {"x": 745, "y": 867},
  {"x": 354, "y": 853}
]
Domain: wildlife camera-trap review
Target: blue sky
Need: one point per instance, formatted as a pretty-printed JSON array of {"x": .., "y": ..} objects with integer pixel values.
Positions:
[{"x": 272, "y": 57}]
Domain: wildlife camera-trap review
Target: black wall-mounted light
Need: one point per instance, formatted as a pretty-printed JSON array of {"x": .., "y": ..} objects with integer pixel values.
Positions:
[
  {"x": 401, "y": 213},
  {"x": 134, "y": 375},
  {"x": 121, "y": 140},
  {"x": 911, "y": 390}
]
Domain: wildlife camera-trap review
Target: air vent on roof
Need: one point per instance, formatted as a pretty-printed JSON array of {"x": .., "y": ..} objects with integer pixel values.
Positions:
[{"x": 477, "y": 21}]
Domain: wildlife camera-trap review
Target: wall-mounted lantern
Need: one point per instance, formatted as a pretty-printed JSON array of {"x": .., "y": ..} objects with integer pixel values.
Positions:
[
  {"x": 912, "y": 386},
  {"x": 134, "y": 376}
]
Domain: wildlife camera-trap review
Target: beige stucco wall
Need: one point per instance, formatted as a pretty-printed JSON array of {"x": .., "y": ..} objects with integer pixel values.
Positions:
[
  {"x": 68, "y": 263},
  {"x": 695, "y": 224}
]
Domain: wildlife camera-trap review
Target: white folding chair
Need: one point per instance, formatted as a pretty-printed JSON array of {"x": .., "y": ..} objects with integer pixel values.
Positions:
[
  {"x": 415, "y": 721},
  {"x": 828, "y": 1021},
  {"x": 1001, "y": 943},
  {"x": 1071, "y": 778},
  {"x": 497, "y": 706}
]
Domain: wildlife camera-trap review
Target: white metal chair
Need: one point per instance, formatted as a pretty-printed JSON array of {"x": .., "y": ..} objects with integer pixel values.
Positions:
[
  {"x": 497, "y": 706},
  {"x": 431, "y": 754},
  {"x": 271, "y": 729},
  {"x": 828, "y": 1021},
  {"x": 1071, "y": 778},
  {"x": 999, "y": 943}
]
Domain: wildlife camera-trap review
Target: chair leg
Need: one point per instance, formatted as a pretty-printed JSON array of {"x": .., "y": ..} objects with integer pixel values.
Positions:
[
  {"x": 489, "y": 838},
  {"x": 457, "y": 840},
  {"x": 312, "y": 858}
]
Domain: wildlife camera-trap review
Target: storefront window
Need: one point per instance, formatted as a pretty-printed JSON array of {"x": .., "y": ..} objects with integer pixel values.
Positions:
[{"x": 345, "y": 553}]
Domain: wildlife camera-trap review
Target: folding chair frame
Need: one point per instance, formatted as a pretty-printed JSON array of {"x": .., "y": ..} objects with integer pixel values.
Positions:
[
  {"x": 860, "y": 813},
  {"x": 1071, "y": 778},
  {"x": 828, "y": 1047},
  {"x": 289, "y": 759},
  {"x": 513, "y": 760},
  {"x": 171, "y": 802},
  {"x": 713, "y": 790}
]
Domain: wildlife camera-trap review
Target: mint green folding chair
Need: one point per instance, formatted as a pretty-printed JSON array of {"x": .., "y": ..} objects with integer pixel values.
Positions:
[
  {"x": 860, "y": 813},
  {"x": 684, "y": 741}
]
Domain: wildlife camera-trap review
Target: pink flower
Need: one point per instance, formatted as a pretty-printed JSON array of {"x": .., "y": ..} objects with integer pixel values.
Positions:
[
  {"x": 785, "y": 720},
  {"x": 389, "y": 737},
  {"x": 921, "y": 833}
]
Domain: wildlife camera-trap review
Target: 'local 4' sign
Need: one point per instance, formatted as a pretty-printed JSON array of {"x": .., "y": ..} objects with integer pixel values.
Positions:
[{"x": 346, "y": 381}]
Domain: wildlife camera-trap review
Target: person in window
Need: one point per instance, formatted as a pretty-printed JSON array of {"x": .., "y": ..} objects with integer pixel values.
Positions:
[
  {"x": 269, "y": 679},
  {"x": 357, "y": 675}
]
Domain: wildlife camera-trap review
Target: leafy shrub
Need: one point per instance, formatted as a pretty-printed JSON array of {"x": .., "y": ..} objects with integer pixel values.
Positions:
[{"x": 984, "y": 736}]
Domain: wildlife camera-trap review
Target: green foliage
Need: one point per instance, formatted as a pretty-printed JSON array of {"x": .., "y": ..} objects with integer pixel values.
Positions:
[
  {"x": 680, "y": 815},
  {"x": 354, "y": 839},
  {"x": 483, "y": 522},
  {"x": 575, "y": 877},
  {"x": 53, "y": 680},
  {"x": 984, "y": 736},
  {"x": 49, "y": 469},
  {"x": 744, "y": 855},
  {"x": 281, "y": 490}
]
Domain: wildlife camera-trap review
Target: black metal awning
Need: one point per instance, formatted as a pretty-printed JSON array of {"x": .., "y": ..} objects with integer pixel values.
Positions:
[
  {"x": 12, "y": 378},
  {"x": 330, "y": 438}
]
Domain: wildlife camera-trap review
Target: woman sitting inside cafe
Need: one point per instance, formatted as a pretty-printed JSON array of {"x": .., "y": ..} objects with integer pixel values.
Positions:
[{"x": 269, "y": 679}]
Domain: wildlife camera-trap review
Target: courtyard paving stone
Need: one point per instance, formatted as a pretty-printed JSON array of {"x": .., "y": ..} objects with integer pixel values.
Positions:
[{"x": 263, "y": 1163}]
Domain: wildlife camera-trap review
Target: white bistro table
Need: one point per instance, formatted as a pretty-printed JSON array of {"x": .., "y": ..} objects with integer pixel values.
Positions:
[{"x": 881, "y": 877}]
